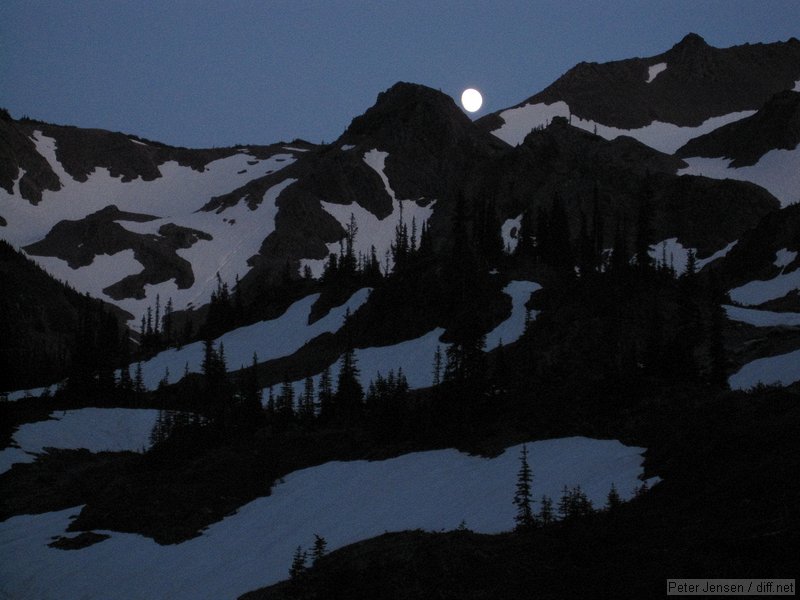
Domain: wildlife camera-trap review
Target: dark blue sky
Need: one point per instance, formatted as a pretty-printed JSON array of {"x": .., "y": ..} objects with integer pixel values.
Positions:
[{"x": 201, "y": 73}]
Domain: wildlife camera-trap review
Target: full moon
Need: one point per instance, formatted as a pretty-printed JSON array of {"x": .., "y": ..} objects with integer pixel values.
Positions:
[{"x": 471, "y": 100}]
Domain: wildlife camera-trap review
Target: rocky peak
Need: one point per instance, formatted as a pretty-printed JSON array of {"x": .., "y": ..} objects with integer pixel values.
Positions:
[
  {"x": 691, "y": 42},
  {"x": 411, "y": 113}
]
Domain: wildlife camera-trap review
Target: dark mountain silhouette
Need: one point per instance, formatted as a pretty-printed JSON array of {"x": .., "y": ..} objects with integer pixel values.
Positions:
[{"x": 776, "y": 126}]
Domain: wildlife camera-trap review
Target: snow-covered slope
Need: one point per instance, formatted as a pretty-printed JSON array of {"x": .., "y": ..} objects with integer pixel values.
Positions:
[
  {"x": 783, "y": 369},
  {"x": 665, "y": 137},
  {"x": 96, "y": 429},
  {"x": 174, "y": 198},
  {"x": 415, "y": 357},
  {"x": 757, "y": 292},
  {"x": 342, "y": 501},
  {"x": 374, "y": 234},
  {"x": 763, "y": 318},
  {"x": 778, "y": 171},
  {"x": 268, "y": 339},
  {"x": 672, "y": 253}
]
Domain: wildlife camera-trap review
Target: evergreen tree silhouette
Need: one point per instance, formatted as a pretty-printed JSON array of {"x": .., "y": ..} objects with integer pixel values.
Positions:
[{"x": 524, "y": 518}]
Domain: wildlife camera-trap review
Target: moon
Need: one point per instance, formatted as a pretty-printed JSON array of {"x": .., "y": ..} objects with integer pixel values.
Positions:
[{"x": 471, "y": 100}]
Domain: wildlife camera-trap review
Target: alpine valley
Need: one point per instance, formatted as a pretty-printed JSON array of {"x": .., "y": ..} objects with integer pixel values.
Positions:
[{"x": 553, "y": 353}]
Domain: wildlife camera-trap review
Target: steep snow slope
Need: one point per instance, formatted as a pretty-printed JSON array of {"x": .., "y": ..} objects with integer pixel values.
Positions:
[
  {"x": 783, "y": 369},
  {"x": 760, "y": 291},
  {"x": 778, "y": 171},
  {"x": 341, "y": 501},
  {"x": 665, "y": 137},
  {"x": 96, "y": 429},
  {"x": 175, "y": 197}
]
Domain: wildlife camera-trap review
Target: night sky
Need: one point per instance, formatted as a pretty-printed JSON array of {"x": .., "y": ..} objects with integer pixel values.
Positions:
[{"x": 201, "y": 73}]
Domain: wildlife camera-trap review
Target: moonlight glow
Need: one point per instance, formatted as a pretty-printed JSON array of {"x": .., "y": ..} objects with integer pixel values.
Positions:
[{"x": 471, "y": 100}]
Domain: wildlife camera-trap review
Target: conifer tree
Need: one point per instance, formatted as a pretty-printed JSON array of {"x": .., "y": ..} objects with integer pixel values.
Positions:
[
  {"x": 270, "y": 403},
  {"x": 597, "y": 226},
  {"x": 525, "y": 236},
  {"x": 325, "y": 394},
  {"x": 138, "y": 381},
  {"x": 560, "y": 251},
  {"x": 613, "y": 500},
  {"x": 349, "y": 393},
  {"x": 643, "y": 235},
  {"x": 579, "y": 503},
  {"x": 546, "y": 511},
  {"x": 564, "y": 506},
  {"x": 619, "y": 254},
  {"x": 437, "y": 366},
  {"x": 167, "y": 325},
  {"x": 125, "y": 381},
  {"x": 586, "y": 254},
  {"x": 320, "y": 547},
  {"x": 285, "y": 403},
  {"x": 298, "y": 568},
  {"x": 251, "y": 390},
  {"x": 307, "y": 410},
  {"x": 524, "y": 518}
]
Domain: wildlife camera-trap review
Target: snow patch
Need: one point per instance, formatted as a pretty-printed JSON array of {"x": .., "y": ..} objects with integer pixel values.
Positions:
[
  {"x": 415, "y": 357},
  {"x": 104, "y": 271},
  {"x": 342, "y": 501},
  {"x": 511, "y": 329},
  {"x": 783, "y": 369},
  {"x": 784, "y": 257},
  {"x": 96, "y": 429},
  {"x": 654, "y": 70},
  {"x": 672, "y": 253},
  {"x": 796, "y": 87},
  {"x": 346, "y": 147},
  {"x": 666, "y": 137},
  {"x": 759, "y": 291},
  {"x": 269, "y": 339},
  {"x": 510, "y": 232},
  {"x": 29, "y": 393},
  {"x": 778, "y": 171},
  {"x": 372, "y": 231},
  {"x": 762, "y": 318}
]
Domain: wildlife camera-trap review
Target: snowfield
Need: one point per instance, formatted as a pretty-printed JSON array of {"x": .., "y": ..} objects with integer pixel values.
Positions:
[
  {"x": 186, "y": 190},
  {"x": 676, "y": 255},
  {"x": 342, "y": 501},
  {"x": 778, "y": 171},
  {"x": 96, "y": 429},
  {"x": 510, "y": 233},
  {"x": 666, "y": 137},
  {"x": 286, "y": 334},
  {"x": 415, "y": 357},
  {"x": 269, "y": 339},
  {"x": 759, "y": 291},
  {"x": 783, "y": 369},
  {"x": 762, "y": 318}
]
